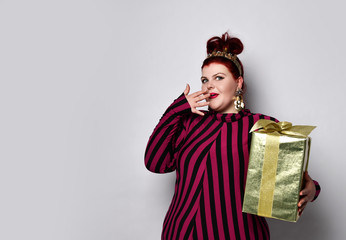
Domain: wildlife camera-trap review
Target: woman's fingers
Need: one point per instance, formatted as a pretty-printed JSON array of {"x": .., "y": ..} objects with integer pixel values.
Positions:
[
  {"x": 195, "y": 99},
  {"x": 309, "y": 190},
  {"x": 302, "y": 204},
  {"x": 302, "y": 201},
  {"x": 196, "y": 102},
  {"x": 196, "y": 94},
  {"x": 307, "y": 194},
  {"x": 199, "y": 96},
  {"x": 303, "y": 192},
  {"x": 202, "y": 97},
  {"x": 187, "y": 89},
  {"x": 301, "y": 209},
  {"x": 198, "y": 112},
  {"x": 202, "y": 104}
]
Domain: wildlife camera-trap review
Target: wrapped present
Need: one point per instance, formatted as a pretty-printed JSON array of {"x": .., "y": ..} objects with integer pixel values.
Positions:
[{"x": 279, "y": 156}]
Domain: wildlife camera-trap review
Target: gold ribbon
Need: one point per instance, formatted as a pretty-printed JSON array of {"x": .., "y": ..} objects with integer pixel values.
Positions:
[
  {"x": 283, "y": 128},
  {"x": 271, "y": 152}
]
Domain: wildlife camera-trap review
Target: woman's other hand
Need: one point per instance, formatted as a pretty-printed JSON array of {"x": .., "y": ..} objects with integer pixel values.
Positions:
[
  {"x": 307, "y": 194},
  {"x": 195, "y": 99}
]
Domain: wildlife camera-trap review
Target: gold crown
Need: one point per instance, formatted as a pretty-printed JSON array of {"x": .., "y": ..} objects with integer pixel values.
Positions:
[{"x": 230, "y": 56}]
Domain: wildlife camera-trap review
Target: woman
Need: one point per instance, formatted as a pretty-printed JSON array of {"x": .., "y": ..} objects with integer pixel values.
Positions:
[{"x": 210, "y": 151}]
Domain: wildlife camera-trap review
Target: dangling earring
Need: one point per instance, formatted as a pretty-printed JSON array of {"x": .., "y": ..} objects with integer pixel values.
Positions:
[{"x": 239, "y": 103}]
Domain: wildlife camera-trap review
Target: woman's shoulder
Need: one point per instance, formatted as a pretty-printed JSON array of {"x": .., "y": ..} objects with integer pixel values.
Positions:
[
  {"x": 258, "y": 116},
  {"x": 246, "y": 113}
]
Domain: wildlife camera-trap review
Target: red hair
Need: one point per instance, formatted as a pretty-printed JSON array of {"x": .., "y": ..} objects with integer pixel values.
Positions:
[{"x": 230, "y": 45}]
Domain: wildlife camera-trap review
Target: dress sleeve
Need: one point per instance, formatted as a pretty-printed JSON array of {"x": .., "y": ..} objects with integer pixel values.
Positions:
[
  {"x": 318, "y": 190},
  {"x": 168, "y": 133}
]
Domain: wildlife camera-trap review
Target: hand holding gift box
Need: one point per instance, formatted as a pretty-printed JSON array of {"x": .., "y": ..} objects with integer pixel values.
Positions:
[
  {"x": 279, "y": 156},
  {"x": 308, "y": 194}
]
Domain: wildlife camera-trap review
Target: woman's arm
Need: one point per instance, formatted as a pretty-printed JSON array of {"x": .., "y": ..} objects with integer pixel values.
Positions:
[
  {"x": 171, "y": 130},
  {"x": 160, "y": 148}
]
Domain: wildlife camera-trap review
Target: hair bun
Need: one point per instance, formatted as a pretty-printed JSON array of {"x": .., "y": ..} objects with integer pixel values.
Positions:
[{"x": 225, "y": 43}]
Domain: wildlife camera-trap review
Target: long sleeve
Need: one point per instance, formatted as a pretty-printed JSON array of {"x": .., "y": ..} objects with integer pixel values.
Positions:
[
  {"x": 318, "y": 189},
  {"x": 169, "y": 132}
]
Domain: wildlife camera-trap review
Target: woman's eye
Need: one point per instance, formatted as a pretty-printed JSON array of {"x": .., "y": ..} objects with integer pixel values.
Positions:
[
  {"x": 204, "y": 80},
  {"x": 219, "y": 78}
]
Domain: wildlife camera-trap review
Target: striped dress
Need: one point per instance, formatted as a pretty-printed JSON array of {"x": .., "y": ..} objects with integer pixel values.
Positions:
[{"x": 210, "y": 156}]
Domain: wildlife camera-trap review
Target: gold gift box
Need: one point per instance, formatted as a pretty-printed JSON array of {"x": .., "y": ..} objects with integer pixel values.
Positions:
[{"x": 279, "y": 156}]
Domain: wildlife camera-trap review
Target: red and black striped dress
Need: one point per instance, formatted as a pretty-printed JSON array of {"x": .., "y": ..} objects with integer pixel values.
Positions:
[{"x": 210, "y": 155}]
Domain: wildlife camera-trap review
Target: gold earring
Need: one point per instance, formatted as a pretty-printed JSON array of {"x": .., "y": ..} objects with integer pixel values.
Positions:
[{"x": 239, "y": 103}]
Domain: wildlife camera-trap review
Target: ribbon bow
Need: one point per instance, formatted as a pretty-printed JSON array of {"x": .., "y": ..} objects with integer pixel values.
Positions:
[{"x": 285, "y": 128}]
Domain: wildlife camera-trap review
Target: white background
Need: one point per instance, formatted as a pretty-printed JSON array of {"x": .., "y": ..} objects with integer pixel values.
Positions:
[{"x": 83, "y": 84}]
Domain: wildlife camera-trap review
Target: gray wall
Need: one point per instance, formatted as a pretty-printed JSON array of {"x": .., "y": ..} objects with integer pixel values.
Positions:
[{"x": 83, "y": 84}]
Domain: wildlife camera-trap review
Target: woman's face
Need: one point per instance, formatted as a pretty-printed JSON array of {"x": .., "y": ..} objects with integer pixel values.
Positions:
[{"x": 221, "y": 85}]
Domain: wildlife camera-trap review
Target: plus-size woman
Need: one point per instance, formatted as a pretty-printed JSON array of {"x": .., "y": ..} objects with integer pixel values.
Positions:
[{"x": 209, "y": 150}]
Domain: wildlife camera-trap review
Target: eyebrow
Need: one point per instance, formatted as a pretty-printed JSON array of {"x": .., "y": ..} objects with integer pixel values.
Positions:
[
  {"x": 214, "y": 75},
  {"x": 218, "y": 74}
]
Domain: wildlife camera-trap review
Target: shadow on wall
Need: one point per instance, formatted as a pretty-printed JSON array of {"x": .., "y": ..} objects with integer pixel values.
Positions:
[
  {"x": 313, "y": 224},
  {"x": 252, "y": 97}
]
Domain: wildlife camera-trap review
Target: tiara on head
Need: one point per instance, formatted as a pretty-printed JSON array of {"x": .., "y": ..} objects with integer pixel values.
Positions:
[{"x": 230, "y": 56}]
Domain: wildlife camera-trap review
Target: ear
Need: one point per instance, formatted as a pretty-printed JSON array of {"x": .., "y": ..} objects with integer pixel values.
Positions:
[{"x": 240, "y": 82}]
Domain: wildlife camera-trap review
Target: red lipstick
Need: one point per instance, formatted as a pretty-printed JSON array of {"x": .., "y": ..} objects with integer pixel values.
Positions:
[{"x": 213, "y": 95}]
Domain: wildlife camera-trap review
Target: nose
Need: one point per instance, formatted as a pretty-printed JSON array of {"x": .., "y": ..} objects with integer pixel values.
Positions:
[{"x": 210, "y": 85}]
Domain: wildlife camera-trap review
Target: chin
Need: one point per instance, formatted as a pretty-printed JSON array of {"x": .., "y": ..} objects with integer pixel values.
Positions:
[
  {"x": 214, "y": 109},
  {"x": 211, "y": 107},
  {"x": 216, "y": 106}
]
